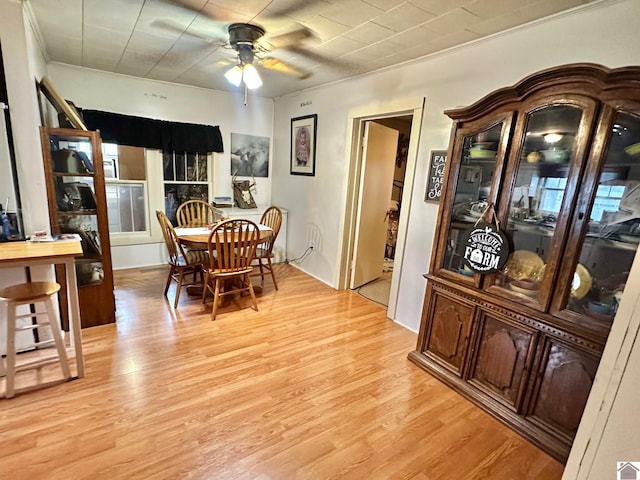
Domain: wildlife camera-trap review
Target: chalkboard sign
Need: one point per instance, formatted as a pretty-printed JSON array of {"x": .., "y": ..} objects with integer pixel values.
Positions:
[{"x": 435, "y": 179}]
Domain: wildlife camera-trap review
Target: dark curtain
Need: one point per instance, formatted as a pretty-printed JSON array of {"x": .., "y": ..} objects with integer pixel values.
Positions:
[{"x": 150, "y": 133}]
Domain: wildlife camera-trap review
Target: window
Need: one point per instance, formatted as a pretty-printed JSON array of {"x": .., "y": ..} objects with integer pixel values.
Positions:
[
  {"x": 126, "y": 188},
  {"x": 185, "y": 178},
  {"x": 146, "y": 180}
]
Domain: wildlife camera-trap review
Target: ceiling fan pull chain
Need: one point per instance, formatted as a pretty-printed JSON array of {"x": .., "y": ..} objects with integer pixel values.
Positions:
[{"x": 245, "y": 94}]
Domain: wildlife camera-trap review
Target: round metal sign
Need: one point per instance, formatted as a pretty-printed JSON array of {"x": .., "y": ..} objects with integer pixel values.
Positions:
[{"x": 486, "y": 248}]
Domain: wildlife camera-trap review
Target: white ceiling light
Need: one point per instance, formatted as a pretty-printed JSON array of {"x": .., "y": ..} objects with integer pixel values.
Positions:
[
  {"x": 244, "y": 71},
  {"x": 251, "y": 77},
  {"x": 234, "y": 76},
  {"x": 553, "y": 137}
]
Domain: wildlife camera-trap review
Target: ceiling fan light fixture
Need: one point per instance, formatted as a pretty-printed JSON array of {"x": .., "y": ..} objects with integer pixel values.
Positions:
[
  {"x": 251, "y": 77},
  {"x": 234, "y": 75}
]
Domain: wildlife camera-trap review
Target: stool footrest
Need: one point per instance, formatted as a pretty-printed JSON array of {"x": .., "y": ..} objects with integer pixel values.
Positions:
[
  {"x": 31, "y": 347},
  {"x": 40, "y": 362},
  {"x": 31, "y": 327},
  {"x": 30, "y": 315}
]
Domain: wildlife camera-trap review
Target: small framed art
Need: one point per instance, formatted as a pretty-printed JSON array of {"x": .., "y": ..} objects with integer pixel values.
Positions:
[
  {"x": 435, "y": 179},
  {"x": 303, "y": 145}
]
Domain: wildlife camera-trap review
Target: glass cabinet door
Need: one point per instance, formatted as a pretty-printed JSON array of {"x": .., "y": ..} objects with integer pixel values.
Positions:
[
  {"x": 609, "y": 242},
  {"x": 481, "y": 160},
  {"x": 73, "y": 172},
  {"x": 537, "y": 205}
]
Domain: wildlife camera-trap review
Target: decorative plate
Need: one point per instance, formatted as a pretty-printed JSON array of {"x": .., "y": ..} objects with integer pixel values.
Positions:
[
  {"x": 482, "y": 153},
  {"x": 524, "y": 264},
  {"x": 582, "y": 282},
  {"x": 633, "y": 150}
]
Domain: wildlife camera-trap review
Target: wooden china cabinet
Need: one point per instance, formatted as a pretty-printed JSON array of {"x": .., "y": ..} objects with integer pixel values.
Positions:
[
  {"x": 558, "y": 157},
  {"x": 77, "y": 204}
]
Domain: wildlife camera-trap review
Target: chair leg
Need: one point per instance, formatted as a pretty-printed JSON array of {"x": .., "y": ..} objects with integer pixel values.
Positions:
[
  {"x": 166, "y": 287},
  {"x": 57, "y": 336},
  {"x": 216, "y": 299},
  {"x": 205, "y": 286},
  {"x": 178, "y": 288},
  {"x": 11, "y": 349},
  {"x": 261, "y": 267},
  {"x": 273, "y": 276},
  {"x": 253, "y": 294}
]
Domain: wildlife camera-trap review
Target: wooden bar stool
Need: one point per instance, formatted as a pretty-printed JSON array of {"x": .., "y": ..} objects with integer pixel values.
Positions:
[{"x": 31, "y": 294}]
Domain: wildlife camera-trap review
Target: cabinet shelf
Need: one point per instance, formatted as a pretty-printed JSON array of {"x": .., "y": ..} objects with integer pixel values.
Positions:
[
  {"x": 72, "y": 174},
  {"x": 75, "y": 213}
]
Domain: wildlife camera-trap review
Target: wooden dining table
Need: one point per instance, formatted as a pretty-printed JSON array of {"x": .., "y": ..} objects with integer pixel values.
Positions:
[{"x": 197, "y": 238}]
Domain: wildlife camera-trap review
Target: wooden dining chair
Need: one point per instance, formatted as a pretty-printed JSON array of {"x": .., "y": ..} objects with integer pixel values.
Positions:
[
  {"x": 272, "y": 218},
  {"x": 196, "y": 213},
  {"x": 232, "y": 246},
  {"x": 181, "y": 261}
]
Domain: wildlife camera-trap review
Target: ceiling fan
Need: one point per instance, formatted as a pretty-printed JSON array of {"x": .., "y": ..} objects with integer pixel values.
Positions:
[
  {"x": 253, "y": 45},
  {"x": 243, "y": 38}
]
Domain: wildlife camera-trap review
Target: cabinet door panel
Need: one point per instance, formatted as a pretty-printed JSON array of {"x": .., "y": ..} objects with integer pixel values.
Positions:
[
  {"x": 543, "y": 175},
  {"x": 449, "y": 333},
  {"x": 503, "y": 355},
  {"x": 606, "y": 229},
  {"x": 78, "y": 205},
  {"x": 563, "y": 382},
  {"x": 478, "y": 156}
]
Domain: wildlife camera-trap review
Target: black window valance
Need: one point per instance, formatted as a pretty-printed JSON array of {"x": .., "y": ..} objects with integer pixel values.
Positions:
[{"x": 150, "y": 133}]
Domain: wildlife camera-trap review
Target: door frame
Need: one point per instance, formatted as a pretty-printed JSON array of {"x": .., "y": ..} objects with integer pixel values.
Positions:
[{"x": 351, "y": 194}]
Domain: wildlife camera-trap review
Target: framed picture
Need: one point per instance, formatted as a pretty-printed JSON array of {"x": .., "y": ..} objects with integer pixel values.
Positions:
[
  {"x": 249, "y": 155},
  {"x": 435, "y": 180},
  {"x": 303, "y": 145}
]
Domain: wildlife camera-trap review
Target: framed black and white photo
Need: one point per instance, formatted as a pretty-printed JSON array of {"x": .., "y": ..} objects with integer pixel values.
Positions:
[
  {"x": 303, "y": 145},
  {"x": 249, "y": 155}
]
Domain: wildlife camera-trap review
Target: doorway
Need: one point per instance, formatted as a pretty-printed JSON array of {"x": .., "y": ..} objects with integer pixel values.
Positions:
[
  {"x": 384, "y": 154},
  {"x": 400, "y": 182}
]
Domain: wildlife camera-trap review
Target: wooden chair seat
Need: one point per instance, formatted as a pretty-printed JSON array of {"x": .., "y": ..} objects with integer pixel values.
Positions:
[{"x": 191, "y": 258}]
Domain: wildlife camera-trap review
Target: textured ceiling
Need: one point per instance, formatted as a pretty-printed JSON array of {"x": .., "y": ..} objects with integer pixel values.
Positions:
[{"x": 186, "y": 41}]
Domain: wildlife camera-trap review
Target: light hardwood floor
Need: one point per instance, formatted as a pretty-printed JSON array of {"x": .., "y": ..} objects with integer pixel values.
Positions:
[{"x": 316, "y": 385}]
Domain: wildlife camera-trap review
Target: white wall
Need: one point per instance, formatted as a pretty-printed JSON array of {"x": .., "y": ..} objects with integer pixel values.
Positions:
[
  {"x": 96, "y": 90},
  {"x": 23, "y": 64},
  {"x": 602, "y": 35}
]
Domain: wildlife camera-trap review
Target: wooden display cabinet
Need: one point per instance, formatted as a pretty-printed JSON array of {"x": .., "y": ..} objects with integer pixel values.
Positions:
[
  {"x": 557, "y": 157},
  {"x": 77, "y": 204}
]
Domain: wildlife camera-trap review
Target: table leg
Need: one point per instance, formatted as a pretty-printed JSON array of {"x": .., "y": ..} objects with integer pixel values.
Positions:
[{"x": 75, "y": 327}]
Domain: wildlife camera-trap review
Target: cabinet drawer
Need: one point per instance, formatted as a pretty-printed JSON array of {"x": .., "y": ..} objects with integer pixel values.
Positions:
[
  {"x": 448, "y": 335},
  {"x": 503, "y": 352}
]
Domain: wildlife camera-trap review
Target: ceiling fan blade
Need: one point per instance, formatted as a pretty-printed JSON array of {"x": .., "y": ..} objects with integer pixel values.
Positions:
[
  {"x": 224, "y": 63},
  {"x": 298, "y": 8},
  {"x": 337, "y": 64},
  {"x": 176, "y": 29},
  {"x": 280, "y": 66},
  {"x": 293, "y": 37}
]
